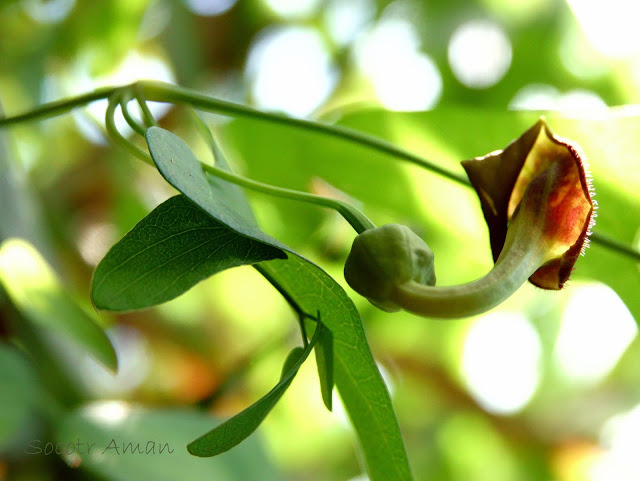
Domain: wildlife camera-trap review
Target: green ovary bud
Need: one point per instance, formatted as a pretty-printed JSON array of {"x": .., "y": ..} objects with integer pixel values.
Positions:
[{"x": 384, "y": 258}]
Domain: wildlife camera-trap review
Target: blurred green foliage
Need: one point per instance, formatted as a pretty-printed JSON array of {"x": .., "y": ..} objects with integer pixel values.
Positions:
[{"x": 220, "y": 346}]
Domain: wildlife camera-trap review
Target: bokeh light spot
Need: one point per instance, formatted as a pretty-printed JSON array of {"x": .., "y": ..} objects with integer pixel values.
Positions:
[
  {"x": 293, "y": 9},
  {"x": 620, "y": 437},
  {"x": 479, "y": 53},
  {"x": 344, "y": 20},
  {"x": 51, "y": 11},
  {"x": 611, "y": 27},
  {"x": 596, "y": 330},
  {"x": 290, "y": 70},
  {"x": 581, "y": 100},
  {"x": 500, "y": 362},
  {"x": 109, "y": 413},
  {"x": 209, "y": 8},
  {"x": 403, "y": 77},
  {"x": 535, "y": 97},
  {"x": 547, "y": 97}
]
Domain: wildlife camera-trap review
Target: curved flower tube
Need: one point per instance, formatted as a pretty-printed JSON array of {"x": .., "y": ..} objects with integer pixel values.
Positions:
[{"x": 536, "y": 199}]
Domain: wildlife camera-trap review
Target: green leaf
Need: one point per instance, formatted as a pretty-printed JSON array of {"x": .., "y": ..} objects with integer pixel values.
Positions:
[
  {"x": 324, "y": 361},
  {"x": 361, "y": 387},
  {"x": 363, "y": 391},
  {"x": 181, "y": 169},
  {"x": 37, "y": 293},
  {"x": 176, "y": 246},
  {"x": 239, "y": 427},
  {"x": 160, "y": 435},
  {"x": 233, "y": 194},
  {"x": 227, "y": 190},
  {"x": 18, "y": 397},
  {"x": 324, "y": 349}
]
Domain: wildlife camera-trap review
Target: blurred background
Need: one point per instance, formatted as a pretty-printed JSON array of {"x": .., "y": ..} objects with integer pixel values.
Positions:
[{"x": 544, "y": 388}]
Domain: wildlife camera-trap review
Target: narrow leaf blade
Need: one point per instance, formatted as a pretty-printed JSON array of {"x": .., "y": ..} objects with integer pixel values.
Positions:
[
  {"x": 236, "y": 429},
  {"x": 361, "y": 387}
]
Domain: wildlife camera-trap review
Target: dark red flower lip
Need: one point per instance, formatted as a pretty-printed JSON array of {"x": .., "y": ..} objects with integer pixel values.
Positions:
[{"x": 552, "y": 168}]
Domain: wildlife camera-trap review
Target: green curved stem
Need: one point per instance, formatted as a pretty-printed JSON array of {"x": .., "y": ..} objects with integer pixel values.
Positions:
[
  {"x": 125, "y": 98},
  {"x": 169, "y": 93},
  {"x": 112, "y": 130},
  {"x": 615, "y": 245},
  {"x": 522, "y": 254},
  {"x": 53, "y": 109},
  {"x": 161, "y": 92},
  {"x": 147, "y": 116},
  {"x": 357, "y": 219}
]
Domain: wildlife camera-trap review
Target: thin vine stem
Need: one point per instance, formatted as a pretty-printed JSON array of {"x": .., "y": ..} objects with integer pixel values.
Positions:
[
  {"x": 161, "y": 92},
  {"x": 147, "y": 116},
  {"x": 605, "y": 241},
  {"x": 353, "y": 216},
  {"x": 112, "y": 130},
  {"x": 125, "y": 98},
  {"x": 357, "y": 219},
  {"x": 59, "y": 107}
]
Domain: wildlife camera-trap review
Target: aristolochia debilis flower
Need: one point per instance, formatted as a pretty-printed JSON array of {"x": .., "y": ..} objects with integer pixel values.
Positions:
[{"x": 536, "y": 199}]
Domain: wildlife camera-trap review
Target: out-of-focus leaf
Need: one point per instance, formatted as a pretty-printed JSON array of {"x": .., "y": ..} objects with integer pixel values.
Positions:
[
  {"x": 18, "y": 396},
  {"x": 176, "y": 246},
  {"x": 242, "y": 425},
  {"x": 154, "y": 441},
  {"x": 38, "y": 295}
]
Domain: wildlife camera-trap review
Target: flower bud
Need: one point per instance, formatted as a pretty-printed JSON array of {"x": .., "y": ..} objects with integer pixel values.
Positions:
[{"x": 384, "y": 258}]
